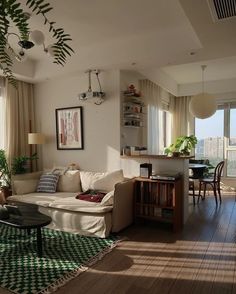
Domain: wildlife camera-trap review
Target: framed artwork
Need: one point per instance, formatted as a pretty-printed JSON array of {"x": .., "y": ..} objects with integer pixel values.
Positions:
[{"x": 69, "y": 128}]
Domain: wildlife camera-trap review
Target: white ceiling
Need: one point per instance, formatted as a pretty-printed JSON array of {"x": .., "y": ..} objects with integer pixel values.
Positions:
[{"x": 152, "y": 33}]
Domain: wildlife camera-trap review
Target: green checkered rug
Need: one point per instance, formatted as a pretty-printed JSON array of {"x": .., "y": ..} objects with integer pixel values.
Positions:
[{"x": 65, "y": 255}]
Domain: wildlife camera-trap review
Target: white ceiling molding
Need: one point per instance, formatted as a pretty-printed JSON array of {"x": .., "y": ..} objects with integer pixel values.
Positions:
[{"x": 213, "y": 87}]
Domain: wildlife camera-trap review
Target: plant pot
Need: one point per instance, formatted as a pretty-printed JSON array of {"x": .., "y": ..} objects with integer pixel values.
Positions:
[
  {"x": 176, "y": 154},
  {"x": 6, "y": 191}
]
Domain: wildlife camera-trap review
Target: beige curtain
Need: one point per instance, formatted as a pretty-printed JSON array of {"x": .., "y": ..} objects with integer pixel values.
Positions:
[
  {"x": 183, "y": 121},
  {"x": 2, "y": 112},
  {"x": 152, "y": 95},
  {"x": 19, "y": 116}
]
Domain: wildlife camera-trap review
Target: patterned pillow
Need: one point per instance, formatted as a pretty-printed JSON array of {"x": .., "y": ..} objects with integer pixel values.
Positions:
[{"x": 48, "y": 183}]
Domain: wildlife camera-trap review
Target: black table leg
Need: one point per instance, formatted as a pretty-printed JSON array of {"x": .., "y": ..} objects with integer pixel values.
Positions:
[{"x": 39, "y": 242}]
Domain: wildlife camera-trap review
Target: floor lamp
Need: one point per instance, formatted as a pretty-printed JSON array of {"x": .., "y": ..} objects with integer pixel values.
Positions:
[{"x": 35, "y": 139}]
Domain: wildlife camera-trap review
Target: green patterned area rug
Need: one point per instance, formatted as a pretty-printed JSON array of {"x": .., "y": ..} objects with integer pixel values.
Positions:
[{"x": 65, "y": 255}]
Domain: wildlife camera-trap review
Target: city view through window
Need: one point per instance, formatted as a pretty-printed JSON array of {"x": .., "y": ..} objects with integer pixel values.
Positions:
[{"x": 210, "y": 135}]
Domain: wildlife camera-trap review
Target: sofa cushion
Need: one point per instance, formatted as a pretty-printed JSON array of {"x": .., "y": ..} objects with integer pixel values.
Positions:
[
  {"x": 108, "y": 199},
  {"x": 73, "y": 204},
  {"x": 48, "y": 183},
  {"x": 41, "y": 199},
  {"x": 88, "y": 178},
  {"x": 69, "y": 182},
  {"x": 107, "y": 183},
  {"x": 25, "y": 186}
]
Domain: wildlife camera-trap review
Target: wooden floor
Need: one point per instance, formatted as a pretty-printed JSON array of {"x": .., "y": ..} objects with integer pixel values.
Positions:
[{"x": 200, "y": 259}]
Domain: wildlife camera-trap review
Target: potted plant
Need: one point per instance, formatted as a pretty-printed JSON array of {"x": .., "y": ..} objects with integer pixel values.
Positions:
[
  {"x": 19, "y": 166},
  {"x": 182, "y": 146},
  {"x": 5, "y": 175}
]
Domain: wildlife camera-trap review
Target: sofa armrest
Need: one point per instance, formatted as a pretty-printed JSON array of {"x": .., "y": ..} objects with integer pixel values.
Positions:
[
  {"x": 122, "y": 214},
  {"x": 25, "y": 177}
]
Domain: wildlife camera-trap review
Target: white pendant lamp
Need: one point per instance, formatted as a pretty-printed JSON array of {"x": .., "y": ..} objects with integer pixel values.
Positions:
[{"x": 203, "y": 105}]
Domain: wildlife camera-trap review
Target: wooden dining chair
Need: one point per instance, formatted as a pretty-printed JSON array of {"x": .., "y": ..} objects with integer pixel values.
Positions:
[{"x": 214, "y": 182}]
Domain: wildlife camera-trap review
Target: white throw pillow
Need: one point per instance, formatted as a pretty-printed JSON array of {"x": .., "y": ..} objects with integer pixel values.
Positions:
[
  {"x": 88, "y": 178},
  {"x": 108, "y": 199},
  {"x": 107, "y": 183},
  {"x": 25, "y": 186},
  {"x": 69, "y": 182}
]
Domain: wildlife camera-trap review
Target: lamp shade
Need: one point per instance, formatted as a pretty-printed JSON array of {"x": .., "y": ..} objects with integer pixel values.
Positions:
[
  {"x": 202, "y": 105},
  {"x": 36, "y": 138}
]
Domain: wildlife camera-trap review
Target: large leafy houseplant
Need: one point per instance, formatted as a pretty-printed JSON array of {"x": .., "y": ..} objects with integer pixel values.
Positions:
[
  {"x": 183, "y": 145},
  {"x": 5, "y": 171},
  {"x": 19, "y": 166},
  {"x": 12, "y": 13}
]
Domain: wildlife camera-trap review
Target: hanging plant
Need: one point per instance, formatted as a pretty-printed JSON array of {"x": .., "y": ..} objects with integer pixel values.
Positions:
[{"x": 12, "y": 13}]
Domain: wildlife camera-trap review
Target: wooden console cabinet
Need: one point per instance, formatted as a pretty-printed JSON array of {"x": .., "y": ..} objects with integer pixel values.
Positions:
[{"x": 159, "y": 200}]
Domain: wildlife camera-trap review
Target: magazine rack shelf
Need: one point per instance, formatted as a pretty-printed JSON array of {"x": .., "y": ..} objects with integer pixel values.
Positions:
[{"x": 159, "y": 200}]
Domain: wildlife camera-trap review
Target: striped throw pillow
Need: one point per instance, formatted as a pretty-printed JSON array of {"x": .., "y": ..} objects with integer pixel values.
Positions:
[{"x": 48, "y": 183}]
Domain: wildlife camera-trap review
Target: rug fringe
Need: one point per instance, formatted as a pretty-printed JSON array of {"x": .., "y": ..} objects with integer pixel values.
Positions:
[
  {"x": 62, "y": 281},
  {"x": 101, "y": 254}
]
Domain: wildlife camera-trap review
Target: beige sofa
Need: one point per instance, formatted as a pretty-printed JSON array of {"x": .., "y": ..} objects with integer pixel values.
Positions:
[{"x": 113, "y": 214}]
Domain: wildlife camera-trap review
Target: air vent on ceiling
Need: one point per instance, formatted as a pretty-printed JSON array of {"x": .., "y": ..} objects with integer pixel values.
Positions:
[{"x": 222, "y": 9}]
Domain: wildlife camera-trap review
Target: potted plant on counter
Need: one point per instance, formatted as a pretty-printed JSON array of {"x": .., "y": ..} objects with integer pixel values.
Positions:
[{"x": 182, "y": 146}]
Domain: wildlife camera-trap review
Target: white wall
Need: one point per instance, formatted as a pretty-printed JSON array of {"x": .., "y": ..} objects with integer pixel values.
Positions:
[{"x": 101, "y": 123}]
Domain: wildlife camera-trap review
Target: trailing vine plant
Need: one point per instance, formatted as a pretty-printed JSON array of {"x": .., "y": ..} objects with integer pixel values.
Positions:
[{"x": 12, "y": 13}]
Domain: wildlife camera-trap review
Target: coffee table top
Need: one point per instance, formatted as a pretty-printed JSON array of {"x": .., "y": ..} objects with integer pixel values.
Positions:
[{"x": 25, "y": 216}]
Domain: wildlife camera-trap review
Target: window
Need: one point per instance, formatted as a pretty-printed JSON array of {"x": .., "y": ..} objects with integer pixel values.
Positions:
[
  {"x": 232, "y": 127},
  {"x": 217, "y": 138},
  {"x": 210, "y": 138}
]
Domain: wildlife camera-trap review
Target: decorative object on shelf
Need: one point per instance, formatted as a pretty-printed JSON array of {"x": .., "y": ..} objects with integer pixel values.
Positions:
[
  {"x": 145, "y": 170},
  {"x": 132, "y": 108},
  {"x": 203, "y": 105},
  {"x": 182, "y": 146},
  {"x": 12, "y": 13},
  {"x": 132, "y": 91},
  {"x": 69, "y": 128},
  {"x": 97, "y": 97}
]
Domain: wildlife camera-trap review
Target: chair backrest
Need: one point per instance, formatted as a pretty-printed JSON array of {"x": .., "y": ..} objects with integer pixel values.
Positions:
[{"x": 218, "y": 171}]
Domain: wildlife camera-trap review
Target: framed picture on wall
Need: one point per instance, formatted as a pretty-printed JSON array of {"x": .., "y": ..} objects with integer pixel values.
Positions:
[{"x": 69, "y": 128}]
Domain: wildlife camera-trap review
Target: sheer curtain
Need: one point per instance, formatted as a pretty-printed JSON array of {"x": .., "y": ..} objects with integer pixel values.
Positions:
[
  {"x": 183, "y": 121},
  {"x": 19, "y": 114},
  {"x": 151, "y": 93},
  {"x": 2, "y": 112}
]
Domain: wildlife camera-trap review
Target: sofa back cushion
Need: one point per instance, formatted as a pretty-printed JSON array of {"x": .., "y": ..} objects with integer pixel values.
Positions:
[
  {"x": 22, "y": 187},
  {"x": 69, "y": 182},
  {"x": 23, "y": 177},
  {"x": 107, "y": 183},
  {"x": 48, "y": 183},
  {"x": 88, "y": 178}
]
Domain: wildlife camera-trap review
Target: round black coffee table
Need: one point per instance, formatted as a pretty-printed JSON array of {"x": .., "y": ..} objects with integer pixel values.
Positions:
[{"x": 27, "y": 216}]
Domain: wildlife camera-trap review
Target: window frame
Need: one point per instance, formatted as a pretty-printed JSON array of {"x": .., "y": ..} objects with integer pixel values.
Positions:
[{"x": 226, "y": 135}]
